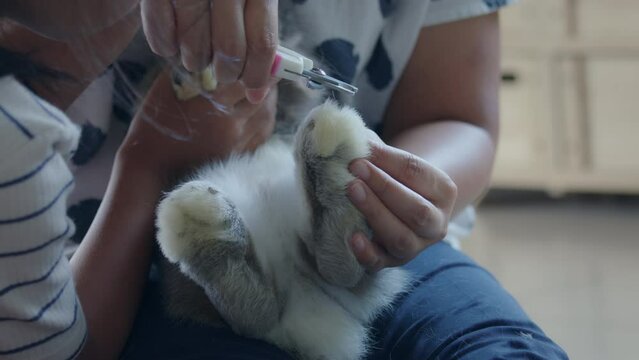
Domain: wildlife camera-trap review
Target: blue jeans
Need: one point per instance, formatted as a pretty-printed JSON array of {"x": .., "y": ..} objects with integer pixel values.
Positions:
[{"x": 457, "y": 310}]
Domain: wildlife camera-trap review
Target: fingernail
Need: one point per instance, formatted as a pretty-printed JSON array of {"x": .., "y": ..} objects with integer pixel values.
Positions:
[
  {"x": 359, "y": 169},
  {"x": 256, "y": 96},
  {"x": 357, "y": 243},
  {"x": 357, "y": 192}
]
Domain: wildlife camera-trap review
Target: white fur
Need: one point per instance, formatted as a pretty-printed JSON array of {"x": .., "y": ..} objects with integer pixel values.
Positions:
[
  {"x": 335, "y": 126},
  {"x": 268, "y": 197},
  {"x": 319, "y": 320},
  {"x": 184, "y": 204},
  {"x": 317, "y": 327}
]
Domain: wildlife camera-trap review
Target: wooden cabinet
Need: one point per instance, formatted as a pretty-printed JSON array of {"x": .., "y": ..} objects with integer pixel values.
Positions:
[
  {"x": 607, "y": 21},
  {"x": 570, "y": 97},
  {"x": 523, "y": 21},
  {"x": 523, "y": 137},
  {"x": 613, "y": 112}
]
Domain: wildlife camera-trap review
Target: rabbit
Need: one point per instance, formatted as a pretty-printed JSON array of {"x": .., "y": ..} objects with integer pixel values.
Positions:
[{"x": 259, "y": 241}]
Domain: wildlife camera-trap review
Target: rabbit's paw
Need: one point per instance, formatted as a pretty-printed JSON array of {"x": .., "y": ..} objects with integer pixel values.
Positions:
[
  {"x": 329, "y": 139},
  {"x": 335, "y": 131},
  {"x": 196, "y": 215}
]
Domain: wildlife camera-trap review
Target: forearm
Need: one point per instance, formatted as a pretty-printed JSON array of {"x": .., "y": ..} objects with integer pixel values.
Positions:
[
  {"x": 111, "y": 265},
  {"x": 462, "y": 150},
  {"x": 79, "y": 61},
  {"x": 445, "y": 108}
]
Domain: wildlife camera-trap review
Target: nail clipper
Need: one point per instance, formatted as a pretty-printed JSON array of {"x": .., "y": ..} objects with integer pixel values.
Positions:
[
  {"x": 287, "y": 65},
  {"x": 290, "y": 65}
]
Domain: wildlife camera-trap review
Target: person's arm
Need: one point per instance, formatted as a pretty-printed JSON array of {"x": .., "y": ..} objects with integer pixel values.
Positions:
[
  {"x": 111, "y": 265},
  {"x": 445, "y": 108},
  {"x": 66, "y": 19},
  {"x": 166, "y": 140},
  {"x": 441, "y": 127},
  {"x": 70, "y": 66}
]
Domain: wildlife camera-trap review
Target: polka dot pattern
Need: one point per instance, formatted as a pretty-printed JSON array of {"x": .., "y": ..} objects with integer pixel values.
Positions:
[
  {"x": 495, "y": 4},
  {"x": 380, "y": 68},
  {"x": 91, "y": 140},
  {"x": 386, "y": 7},
  {"x": 339, "y": 57},
  {"x": 82, "y": 215}
]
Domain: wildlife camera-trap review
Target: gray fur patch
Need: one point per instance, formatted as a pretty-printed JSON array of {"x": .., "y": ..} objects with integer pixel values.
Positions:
[{"x": 335, "y": 218}]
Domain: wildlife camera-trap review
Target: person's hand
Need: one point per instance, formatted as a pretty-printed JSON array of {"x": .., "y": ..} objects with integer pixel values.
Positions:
[
  {"x": 170, "y": 137},
  {"x": 406, "y": 201},
  {"x": 239, "y": 37}
]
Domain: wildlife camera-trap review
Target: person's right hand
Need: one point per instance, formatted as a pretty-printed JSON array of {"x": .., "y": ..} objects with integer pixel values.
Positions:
[
  {"x": 170, "y": 137},
  {"x": 239, "y": 37}
]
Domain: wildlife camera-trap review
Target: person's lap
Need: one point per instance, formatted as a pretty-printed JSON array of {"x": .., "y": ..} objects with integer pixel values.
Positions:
[{"x": 454, "y": 310}]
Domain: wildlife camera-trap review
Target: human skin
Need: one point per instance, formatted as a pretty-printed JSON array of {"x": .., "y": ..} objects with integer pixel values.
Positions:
[
  {"x": 80, "y": 60},
  {"x": 66, "y": 19},
  {"x": 440, "y": 134},
  {"x": 239, "y": 37},
  {"x": 111, "y": 264},
  {"x": 166, "y": 140}
]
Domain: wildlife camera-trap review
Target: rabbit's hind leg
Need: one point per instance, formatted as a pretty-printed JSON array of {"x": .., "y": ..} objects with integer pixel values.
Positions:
[
  {"x": 329, "y": 139},
  {"x": 202, "y": 232}
]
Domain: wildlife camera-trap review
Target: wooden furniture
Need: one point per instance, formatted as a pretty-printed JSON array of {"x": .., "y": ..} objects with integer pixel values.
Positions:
[{"x": 570, "y": 97}]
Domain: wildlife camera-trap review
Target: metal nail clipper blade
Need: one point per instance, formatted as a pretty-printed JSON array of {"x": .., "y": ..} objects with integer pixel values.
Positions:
[{"x": 290, "y": 65}]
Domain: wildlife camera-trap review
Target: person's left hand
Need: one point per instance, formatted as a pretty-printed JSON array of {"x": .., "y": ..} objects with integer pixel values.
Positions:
[{"x": 406, "y": 201}]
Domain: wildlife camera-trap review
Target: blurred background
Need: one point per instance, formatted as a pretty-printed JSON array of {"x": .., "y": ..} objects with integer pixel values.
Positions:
[{"x": 560, "y": 226}]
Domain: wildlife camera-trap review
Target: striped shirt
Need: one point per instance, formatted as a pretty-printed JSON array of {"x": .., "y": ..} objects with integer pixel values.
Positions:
[{"x": 40, "y": 314}]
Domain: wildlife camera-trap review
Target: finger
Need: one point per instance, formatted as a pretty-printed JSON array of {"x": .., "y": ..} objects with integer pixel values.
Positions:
[
  {"x": 417, "y": 174},
  {"x": 228, "y": 39},
  {"x": 419, "y": 214},
  {"x": 158, "y": 22},
  {"x": 230, "y": 99},
  {"x": 193, "y": 33},
  {"x": 245, "y": 108},
  {"x": 228, "y": 94},
  {"x": 261, "y": 44},
  {"x": 393, "y": 235},
  {"x": 372, "y": 257}
]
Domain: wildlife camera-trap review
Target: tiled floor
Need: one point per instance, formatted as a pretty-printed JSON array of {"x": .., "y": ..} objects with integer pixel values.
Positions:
[{"x": 573, "y": 264}]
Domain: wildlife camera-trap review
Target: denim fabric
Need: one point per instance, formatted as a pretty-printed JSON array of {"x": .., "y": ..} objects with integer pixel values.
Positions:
[{"x": 455, "y": 310}]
